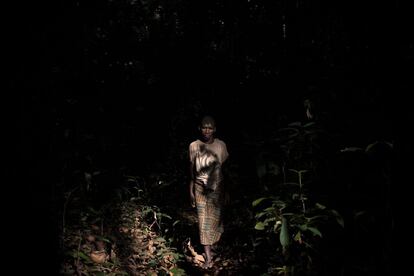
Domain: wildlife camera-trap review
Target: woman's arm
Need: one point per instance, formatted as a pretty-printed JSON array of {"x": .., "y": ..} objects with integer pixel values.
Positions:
[{"x": 191, "y": 186}]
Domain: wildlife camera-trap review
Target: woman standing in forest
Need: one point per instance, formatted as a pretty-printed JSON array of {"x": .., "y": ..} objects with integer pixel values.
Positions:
[{"x": 207, "y": 155}]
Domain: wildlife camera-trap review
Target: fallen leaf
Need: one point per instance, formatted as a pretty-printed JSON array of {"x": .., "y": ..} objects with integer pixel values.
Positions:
[{"x": 99, "y": 256}]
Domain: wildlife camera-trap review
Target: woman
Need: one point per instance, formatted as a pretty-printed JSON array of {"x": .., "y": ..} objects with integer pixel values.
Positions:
[{"x": 207, "y": 155}]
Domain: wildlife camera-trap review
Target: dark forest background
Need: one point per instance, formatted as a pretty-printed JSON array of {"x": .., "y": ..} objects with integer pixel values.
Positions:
[{"x": 119, "y": 86}]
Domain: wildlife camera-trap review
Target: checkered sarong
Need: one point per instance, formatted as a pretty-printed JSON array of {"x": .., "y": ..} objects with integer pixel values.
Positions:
[{"x": 209, "y": 210}]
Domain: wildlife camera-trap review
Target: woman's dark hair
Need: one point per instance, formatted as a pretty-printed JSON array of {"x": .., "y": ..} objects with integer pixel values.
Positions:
[{"x": 208, "y": 120}]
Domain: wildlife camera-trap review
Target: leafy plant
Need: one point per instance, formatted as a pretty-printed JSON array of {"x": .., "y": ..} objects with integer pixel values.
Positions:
[
  {"x": 288, "y": 213},
  {"x": 297, "y": 224}
]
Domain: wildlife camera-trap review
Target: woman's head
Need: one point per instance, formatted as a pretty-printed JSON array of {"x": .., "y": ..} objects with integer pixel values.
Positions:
[{"x": 207, "y": 128}]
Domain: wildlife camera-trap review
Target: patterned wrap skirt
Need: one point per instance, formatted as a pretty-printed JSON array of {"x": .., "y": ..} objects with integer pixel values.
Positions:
[{"x": 209, "y": 210}]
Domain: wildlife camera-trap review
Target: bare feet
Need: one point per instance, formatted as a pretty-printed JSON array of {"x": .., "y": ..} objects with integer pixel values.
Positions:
[
  {"x": 208, "y": 264},
  {"x": 207, "y": 257}
]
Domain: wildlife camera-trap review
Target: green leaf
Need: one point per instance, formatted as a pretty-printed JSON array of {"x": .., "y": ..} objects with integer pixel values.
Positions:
[
  {"x": 284, "y": 234},
  {"x": 266, "y": 221},
  {"x": 315, "y": 217},
  {"x": 269, "y": 209},
  {"x": 276, "y": 226},
  {"x": 279, "y": 204},
  {"x": 309, "y": 124},
  {"x": 257, "y": 201},
  {"x": 289, "y": 214},
  {"x": 260, "y": 226},
  {"x": 160, "y": 239},
  {"x": 351, "y": 149},
  {"x": 303, "y": 227},
  {"x": 370, "y": 146},
  {"x": 320, "y": 206},
  {"x": 297, "y": 123},
  {"x": 338, "y": 218},
  {"x": 297, "y": 236},
  {"x": 178, "y": 271},
  {"x": 315, "y": 231},
  {"x": 81, "y": 255}
]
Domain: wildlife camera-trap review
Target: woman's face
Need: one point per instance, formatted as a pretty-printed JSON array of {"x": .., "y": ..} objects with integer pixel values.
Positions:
[{"x": 207, "y": 131}]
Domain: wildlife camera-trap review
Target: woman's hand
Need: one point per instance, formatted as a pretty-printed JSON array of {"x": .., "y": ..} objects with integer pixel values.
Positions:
[{"x": 192, "y": 196}]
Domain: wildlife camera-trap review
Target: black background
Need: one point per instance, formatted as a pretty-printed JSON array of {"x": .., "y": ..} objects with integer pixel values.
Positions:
[{"x": 71, "y": 69}]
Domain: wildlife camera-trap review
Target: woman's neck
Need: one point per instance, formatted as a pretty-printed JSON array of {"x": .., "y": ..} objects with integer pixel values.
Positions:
[{"x": 209, "y": 141}]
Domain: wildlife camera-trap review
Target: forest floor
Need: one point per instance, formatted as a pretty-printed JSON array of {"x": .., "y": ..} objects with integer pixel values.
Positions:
[
  {"x": 136, "y": 237},
  {"x": 147, "y": 227}
]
